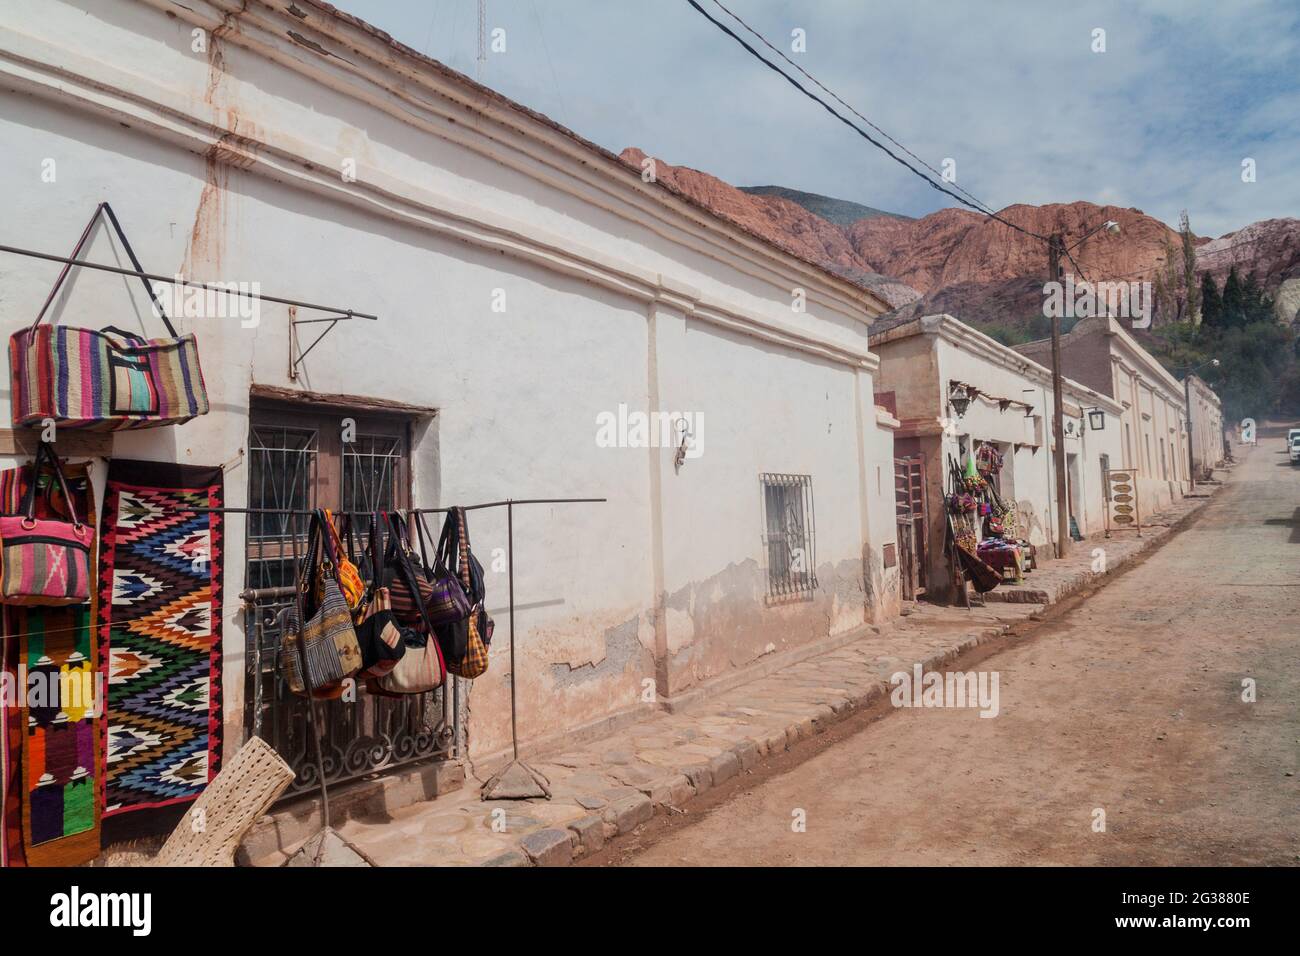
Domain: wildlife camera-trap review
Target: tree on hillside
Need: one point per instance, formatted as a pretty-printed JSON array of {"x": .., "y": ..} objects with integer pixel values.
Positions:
[
  {"x": 1234, "y": 311},
  {"x": 1177, "y": 295},
  {"x": 1192, "y": 295},
  {"x": 1256, "y": 303},
  {"x": 1211, "y": 302},
  {"x": 1171, "y": 298}
]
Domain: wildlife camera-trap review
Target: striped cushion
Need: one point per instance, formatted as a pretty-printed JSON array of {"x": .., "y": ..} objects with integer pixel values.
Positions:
[{"x": 82, "y": 378}]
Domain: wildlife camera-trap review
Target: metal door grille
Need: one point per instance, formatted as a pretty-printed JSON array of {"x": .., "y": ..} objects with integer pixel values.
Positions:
[
  {"x": 790, "y": 538},
  {"x": 295, "y": 466}
]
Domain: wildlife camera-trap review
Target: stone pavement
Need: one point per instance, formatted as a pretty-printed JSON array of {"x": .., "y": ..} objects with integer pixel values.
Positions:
[{"x": 611, "y": 786}]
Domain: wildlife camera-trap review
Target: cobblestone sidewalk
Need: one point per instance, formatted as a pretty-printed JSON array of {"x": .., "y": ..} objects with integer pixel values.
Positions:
[{"x": 611, "y": 786}]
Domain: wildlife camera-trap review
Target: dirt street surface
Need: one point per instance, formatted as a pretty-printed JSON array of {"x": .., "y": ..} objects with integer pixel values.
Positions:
[{"x": 1130, "y": 703}]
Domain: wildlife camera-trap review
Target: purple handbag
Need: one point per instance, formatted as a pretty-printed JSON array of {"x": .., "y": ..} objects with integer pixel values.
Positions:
[{"x": 444, "y": 599}]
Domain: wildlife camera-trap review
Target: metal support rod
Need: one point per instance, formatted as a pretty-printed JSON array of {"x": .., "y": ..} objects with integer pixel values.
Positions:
[
  {"x": 307, "y": 512},
  {"x": 510, "y": 564},
  {"x": 1191, "y": 459},
  {"x": 174, "y": 280},
  {"x": 1055, "y": 246}
]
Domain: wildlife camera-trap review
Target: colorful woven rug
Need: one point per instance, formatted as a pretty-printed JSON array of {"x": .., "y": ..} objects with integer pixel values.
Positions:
[
  {"x": 160, "y": 619},
  {"x": 51, "y": 758}
]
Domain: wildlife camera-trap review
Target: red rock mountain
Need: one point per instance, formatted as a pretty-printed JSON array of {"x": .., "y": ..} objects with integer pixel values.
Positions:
[{"x": 980, "y": 270}]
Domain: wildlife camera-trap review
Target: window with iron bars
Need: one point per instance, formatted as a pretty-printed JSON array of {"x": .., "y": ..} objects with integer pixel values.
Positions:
[{"x": 790, "y": 537}]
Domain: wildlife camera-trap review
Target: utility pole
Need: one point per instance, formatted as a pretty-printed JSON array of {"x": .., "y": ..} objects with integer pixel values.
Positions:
[
  {"x": 1191, "y": 458},
  {"x": 1055, "y": 247}
]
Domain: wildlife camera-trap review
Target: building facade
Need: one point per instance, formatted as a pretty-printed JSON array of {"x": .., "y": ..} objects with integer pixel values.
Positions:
[
  {"x": 1100, "y": 354},
  {"x": 924, "y": 362},
  {"x": 1206, "y": 426},
  {"x": 550, "y": 325}
]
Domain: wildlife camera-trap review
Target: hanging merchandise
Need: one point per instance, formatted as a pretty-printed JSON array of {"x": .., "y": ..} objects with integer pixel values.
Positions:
[
  {"x": 52, "y": 753},
  {"x": 448, "y": 603},
  {"x": 475, "y": 630},
  {"x": 381, "y": 638},
  {"x": 419, "y": 591},
  {"x": 345, "y": 569},
  {"x": 104, "y": 380},
  {"x": 422, "y": 666},
  {"x": 988, "y": 460},
  {"x": 324, "y": 628},
  {"x": 44, "y": 561},
  {"x": 162, "y": 553}
]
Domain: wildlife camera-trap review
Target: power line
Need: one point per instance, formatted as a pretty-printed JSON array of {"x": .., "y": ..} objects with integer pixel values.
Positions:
[
  {"x": 851, "y": 125},
  {"x": 986, "y": 208}
]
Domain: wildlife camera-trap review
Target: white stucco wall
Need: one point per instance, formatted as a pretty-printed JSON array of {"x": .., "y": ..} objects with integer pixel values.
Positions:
[{"x": 224, "y": 165}]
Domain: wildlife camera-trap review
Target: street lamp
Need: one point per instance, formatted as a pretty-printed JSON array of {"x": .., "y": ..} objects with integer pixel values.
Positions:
[
  {"x": 1056, "y": 248},
  {"x": 1096, "y": 419},
  {"x": 1188, "y": 372}
]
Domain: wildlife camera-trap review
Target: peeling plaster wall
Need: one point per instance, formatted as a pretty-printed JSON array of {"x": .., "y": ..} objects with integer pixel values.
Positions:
[
  {"x": 765, "y": 409},
  {"x": 224, "y": 165}
]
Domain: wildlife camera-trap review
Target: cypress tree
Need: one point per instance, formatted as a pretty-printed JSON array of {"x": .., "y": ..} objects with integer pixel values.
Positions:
[
  {"x": 1234, "y": 312},
  {"x": 1211, "y": 302}
]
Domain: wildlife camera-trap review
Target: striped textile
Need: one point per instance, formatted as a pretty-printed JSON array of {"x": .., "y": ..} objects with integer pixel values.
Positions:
[
  {"x": 44, "y": 562},
  {"x": 83, "y": 378},
  {"x": 47, "y": 773}
]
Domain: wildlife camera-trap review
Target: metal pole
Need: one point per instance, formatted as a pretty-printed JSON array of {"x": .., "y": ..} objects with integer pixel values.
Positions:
[
  {"x": 70, "y": 261},
  {"x": 1191, "y": 458},
  {"x": 1054, "y": 247},
  {"x": 510, "y": 566}
]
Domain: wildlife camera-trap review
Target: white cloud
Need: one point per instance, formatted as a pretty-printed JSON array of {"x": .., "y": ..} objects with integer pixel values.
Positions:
[{"x": 1012, "y": 91}]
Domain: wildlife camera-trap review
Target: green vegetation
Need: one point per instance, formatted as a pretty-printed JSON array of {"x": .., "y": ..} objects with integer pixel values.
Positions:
[
  {"x": 1257, "y": 374},
  {"x": 1037, "y": 326}
]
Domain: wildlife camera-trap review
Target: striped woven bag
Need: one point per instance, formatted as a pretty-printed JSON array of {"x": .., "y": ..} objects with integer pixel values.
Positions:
[
  {"x": 104, "y": 380},
  {"x": 478, "y": 625}
]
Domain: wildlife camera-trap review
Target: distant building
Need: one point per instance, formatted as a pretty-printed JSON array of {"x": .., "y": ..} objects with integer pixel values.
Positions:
[
  {"x": 1207, "y": 426},
  {"x": 923, "y": 364},
  {"x": 1099, "y": 353}
]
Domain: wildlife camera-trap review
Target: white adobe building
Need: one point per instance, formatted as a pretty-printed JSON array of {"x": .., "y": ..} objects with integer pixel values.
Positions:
[
  {"x": 922, "y": 364},
  {"x": 527, "y": 286},
  {"x": 1100, "y": 353}
]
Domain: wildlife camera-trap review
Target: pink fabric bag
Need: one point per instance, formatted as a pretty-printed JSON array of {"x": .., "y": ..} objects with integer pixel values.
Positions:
[{"x": 44, "y": 561}]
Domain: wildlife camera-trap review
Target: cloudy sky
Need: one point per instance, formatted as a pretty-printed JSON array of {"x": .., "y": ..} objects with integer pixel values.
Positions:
[{"x": 1012, "y": 91}]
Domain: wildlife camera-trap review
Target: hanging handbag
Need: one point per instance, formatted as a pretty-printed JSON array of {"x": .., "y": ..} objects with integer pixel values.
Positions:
[
  {"x": 380, "y": 637},
  {"x": 104, "y": 380},
  {"x": 44, "y": 561},
  {"x": 444, "y": 598},
  {"x": 345, "y": 570},
  {"x": 422, "y": 666},
  {"x": 410, "y": 591},
  {"x": 325, "y": 633},
  {"x": 475, "y": 630}
]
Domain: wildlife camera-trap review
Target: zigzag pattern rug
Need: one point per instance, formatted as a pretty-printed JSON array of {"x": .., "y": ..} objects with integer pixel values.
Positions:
[{"x": 160, "y": 620}]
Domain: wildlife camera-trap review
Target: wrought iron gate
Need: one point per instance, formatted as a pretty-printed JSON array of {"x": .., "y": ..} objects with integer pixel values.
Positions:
[{"x": 298, "y": 461}]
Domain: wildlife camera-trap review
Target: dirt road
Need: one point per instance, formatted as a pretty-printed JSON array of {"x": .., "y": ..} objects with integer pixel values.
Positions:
[{"x": 1129, "y": 704}]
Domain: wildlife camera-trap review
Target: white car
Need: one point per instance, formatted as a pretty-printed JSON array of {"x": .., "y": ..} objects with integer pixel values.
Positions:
[{"x": 1295, "y": 450}]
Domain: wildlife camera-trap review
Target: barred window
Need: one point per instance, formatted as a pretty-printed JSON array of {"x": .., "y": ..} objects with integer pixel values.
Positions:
[{"x": 790, "y": 537}]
